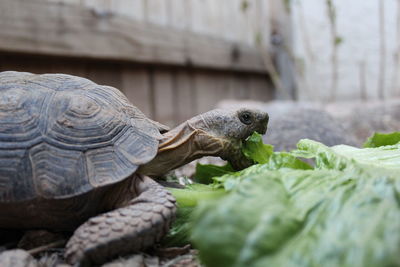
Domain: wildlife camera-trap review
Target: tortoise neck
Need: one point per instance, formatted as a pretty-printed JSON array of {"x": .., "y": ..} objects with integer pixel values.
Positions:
[{"x": 180, "y": 146}]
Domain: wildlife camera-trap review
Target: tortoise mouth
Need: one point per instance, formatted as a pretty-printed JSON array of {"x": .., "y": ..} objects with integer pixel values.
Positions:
[
  {"x": 237, "y": 158},
  {"x": 263, "y": 124},
  {"x": 262, "y": 130}
]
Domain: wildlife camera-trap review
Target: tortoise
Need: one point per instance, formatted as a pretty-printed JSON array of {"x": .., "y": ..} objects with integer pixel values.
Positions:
[{"x": 75, "y": 155}]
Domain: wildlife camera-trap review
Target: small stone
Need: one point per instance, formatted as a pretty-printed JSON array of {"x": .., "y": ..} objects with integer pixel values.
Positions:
[
  {"x": 136, "y": 260},
  {"x": 17, "y": 258}
]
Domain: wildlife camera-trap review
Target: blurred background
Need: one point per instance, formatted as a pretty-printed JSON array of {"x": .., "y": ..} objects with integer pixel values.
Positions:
[{"x": 176, "y": 58}]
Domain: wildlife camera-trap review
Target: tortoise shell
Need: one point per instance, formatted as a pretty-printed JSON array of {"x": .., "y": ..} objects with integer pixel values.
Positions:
[{"x": 61, "y": 136}]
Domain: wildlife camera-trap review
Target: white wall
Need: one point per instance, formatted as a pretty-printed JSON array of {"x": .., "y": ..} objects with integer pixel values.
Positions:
[{"x": 358, "y": 25}]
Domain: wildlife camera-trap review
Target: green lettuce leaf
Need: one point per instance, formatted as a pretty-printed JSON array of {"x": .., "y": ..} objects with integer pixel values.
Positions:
[
  {"x": 382, "y": 139},
  {"x": 192, "y": 194},
  {"x": 187, "y": 199},
  {"x": 345, "y": 212},
  {"x": 255, "y": 149},
  {"x": 205, "y": 172}
]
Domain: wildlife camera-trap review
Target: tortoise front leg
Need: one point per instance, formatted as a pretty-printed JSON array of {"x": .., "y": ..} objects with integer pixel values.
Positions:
[{"x": 132, "y": 228}]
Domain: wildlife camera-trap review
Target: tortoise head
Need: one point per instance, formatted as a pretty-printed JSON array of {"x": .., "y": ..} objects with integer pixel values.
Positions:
[
  {"x": 232, "y": 124},
  {"x": 219, "y": 132},
  {"x": 230, "y": 127}
]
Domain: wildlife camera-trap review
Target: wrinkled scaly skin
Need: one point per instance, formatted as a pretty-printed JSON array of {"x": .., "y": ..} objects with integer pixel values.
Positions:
[{"x": 144, "y": 220}]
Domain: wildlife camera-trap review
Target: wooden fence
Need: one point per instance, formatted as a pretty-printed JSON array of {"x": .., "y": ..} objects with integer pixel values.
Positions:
[{"x": 168, "y": 70}]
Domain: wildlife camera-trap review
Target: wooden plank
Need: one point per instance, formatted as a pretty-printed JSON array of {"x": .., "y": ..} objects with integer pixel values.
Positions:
[
  {"x": 263, "y": 21},
  {"x": 29, "y": 64},
  {"x": 105, "y": 74},
  {"x": 72, "y": 68},
  {"x": 36, "y": 64},
  {"x": 98, "y": 6},
  {"x": 131, "y": 8},
  {"x": 66, "y": 1},
  {"x": 157, "y": 12},
  {"x": 164, "y": 97},
  {"x": 204, "y": 92},
  {"x": 281, "y": 40},
  {"x": 260, "y": 88},
  {"x": 184, "y": 100},
  {"x": 40, "y": 27},
  {"x": 211, "y": 19},
  {"x": 198, "y": 14},
  {"x": 239, "y": 86},
  {"x": 245, "y": 29},
  {"x": 228, "y": 20},
  {"x": 251, "y": 18},
  {"x": 239, "y": 17},
  {"x": 136, "y": 87},
  {"x": 210, "y": 89},
  {"x": 180, "y": 16}
]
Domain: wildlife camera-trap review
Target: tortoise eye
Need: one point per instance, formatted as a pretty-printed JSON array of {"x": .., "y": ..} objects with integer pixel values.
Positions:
[{"x": 246, "y": 118}]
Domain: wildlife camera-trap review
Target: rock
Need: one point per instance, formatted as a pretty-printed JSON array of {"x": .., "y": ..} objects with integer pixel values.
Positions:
[
  {"x": 17, "y": 258},
  {"x": 286, "y": 129},
  {"x": 188, "y": 260},
  {"x": 363, "y": 119},
  {"x": 52, "y": 260},
  {"x": 136, "y": 260}
]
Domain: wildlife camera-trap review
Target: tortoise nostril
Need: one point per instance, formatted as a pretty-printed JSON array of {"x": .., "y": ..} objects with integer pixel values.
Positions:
[
  {"x": 264, "y": 123},
  {"x": 264, "y": 118}
]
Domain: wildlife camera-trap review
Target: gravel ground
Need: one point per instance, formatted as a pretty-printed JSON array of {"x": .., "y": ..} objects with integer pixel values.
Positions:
[{"x": 166, "y": 257}]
